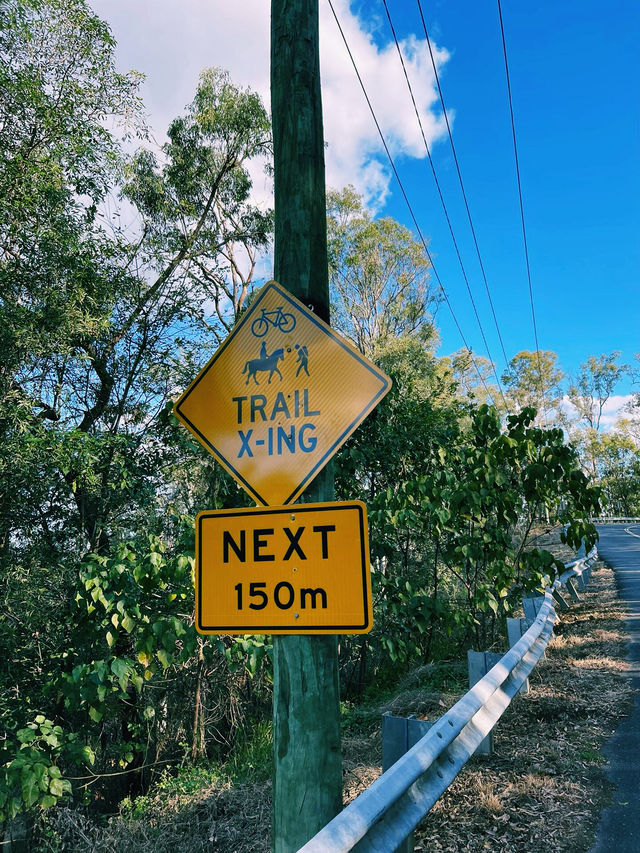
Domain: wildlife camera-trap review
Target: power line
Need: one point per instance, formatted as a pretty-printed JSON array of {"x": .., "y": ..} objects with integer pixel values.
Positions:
[
  {"x": 406, "y": 198},
  {"x": 446, "y": 212},
  {"x": 459, "y": 173},
  {"x": 524, "y": 230}
]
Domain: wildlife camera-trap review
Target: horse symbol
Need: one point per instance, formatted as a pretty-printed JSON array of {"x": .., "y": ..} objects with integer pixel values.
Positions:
[{"x": 263, "y": 365}]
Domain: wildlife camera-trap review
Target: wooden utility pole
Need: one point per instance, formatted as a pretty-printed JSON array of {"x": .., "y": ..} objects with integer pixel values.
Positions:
[{"x": 307, "y": 790}]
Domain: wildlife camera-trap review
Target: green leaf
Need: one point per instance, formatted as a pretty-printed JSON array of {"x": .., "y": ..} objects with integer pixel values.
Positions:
[
  {"x": 14, "y": 807},
  {"x": 88, "y": 754},
  {"x": 41, "y": 773},
  {"x": 30, "y": 788},
  {"x": 119, "y": 667},
  {"x": 56, "y": 787},
  {"x": 26, "y": 735}
]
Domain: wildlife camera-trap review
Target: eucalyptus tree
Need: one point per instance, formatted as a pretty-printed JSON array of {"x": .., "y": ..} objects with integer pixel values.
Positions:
[
  {"x": 533, "y": 380},
  {"x": 589, "y": 393},
  {"x": 58, "y": 87},
  {"x": 594, "y": 385},
  {"x": 104, "y": 314},
  {"x": 474, "y": 375},
  {"x": 378, "y": 274},
  {"x": 615, "y": 460}
]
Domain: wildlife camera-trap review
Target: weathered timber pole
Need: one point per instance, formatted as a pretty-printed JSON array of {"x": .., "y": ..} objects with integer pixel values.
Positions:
[{"x": 307, "y": 790}]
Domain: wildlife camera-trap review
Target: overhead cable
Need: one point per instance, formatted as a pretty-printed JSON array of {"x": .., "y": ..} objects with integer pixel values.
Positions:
[
  {"x": 406, "y": 198},
  {"x": 459, "y": 173},
  {"x": 446, "y": 212},
  {"x": 524, "y": 230}
]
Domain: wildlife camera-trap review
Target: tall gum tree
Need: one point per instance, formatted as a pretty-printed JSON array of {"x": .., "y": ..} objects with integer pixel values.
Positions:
[
  {"x": 533, "y": 381},
  {"x": 378, "y": 274},
  {"x": 102, "y": 320}
]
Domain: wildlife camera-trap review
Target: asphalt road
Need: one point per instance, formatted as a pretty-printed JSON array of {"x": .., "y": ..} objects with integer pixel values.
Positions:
[{"x": 619, "y": 829}]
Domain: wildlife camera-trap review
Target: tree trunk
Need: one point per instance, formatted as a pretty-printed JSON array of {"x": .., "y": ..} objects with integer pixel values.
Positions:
[{"x": 197, "y": 742}]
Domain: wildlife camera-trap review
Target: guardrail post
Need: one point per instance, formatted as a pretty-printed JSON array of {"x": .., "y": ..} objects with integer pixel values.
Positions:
[
  {"x": 580, "y": 580},
  {"x": 479, "y": 665},
  {"x": 531, "y": 606},
  {"x": 399, "y": 734},
  {"x": 515, "y": 629},
  {"x": 571, "y": 586},
  {"x": 560, "y": 600},
  {"x": 394, "y": 739}
]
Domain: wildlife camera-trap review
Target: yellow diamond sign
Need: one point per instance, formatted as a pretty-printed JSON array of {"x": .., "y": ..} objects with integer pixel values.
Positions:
[{"x": 279, "y": 397}]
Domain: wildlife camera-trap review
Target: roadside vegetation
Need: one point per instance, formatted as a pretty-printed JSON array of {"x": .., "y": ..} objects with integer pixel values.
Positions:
[
  {"x": 545, "y": 782},
  {"x": 120, "y": 274}
]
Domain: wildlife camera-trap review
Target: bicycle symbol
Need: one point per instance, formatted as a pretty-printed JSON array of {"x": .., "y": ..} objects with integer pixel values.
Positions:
[{"x": 278, "y": 318}]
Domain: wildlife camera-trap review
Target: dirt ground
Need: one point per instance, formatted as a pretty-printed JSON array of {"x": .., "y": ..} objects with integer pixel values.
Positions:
[{"x": 546, "y": 784}]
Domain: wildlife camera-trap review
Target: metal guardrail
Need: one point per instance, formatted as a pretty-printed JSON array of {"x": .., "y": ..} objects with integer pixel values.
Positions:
[
  {"x": 615, "y": 520},
  {"x": 391, "y": 807}
]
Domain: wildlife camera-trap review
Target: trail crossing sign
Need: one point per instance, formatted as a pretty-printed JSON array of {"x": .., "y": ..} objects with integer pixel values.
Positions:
[
  {"x": 279, "y": 397},
  {"x": 301, "y": 569}
]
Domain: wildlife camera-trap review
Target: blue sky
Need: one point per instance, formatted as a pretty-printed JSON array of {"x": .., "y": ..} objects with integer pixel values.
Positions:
[
  {"x": 575, "y": 72},
  {"x": 575, "y": 76}
]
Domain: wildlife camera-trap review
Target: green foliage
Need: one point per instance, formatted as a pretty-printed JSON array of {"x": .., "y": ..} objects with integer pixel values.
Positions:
[
  {"x": 132, "y": 601},
  {"x": 449, "y": 531},
  {"x": 251, "y": 758},
  {"x": 251, "y": 654},
  {"x": 33, "y": 778},
  {"x": 122, "y": 671},
  {"x": 99, "y": 324}
]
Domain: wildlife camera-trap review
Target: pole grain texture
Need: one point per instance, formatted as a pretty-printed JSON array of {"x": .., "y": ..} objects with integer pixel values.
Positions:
[{"x": 307, "y": 790}]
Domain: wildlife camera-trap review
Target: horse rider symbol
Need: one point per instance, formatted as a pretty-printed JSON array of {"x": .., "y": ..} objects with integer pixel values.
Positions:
[{"x": 264, "y": 364}]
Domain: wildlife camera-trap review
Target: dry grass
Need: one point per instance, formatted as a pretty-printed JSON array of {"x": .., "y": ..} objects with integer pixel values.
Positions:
[
  {"x": 545, "y": 784},
  {"x": 543, "y": 788},
  {"x": 228, "y": 820}
]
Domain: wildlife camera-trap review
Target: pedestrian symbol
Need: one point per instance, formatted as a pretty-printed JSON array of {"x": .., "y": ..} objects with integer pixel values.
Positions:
[{"x": 303, "y": 359}]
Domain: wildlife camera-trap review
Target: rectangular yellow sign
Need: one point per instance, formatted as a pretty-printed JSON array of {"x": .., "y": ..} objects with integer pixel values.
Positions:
[{"x": 301, "y": 569}]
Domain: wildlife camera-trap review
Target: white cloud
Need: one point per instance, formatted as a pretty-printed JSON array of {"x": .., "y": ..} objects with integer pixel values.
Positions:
[
  {"x": 171, "y": 42},
  {"x": 355, "y": 153},
  {"x": 613, "y": 409}
]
